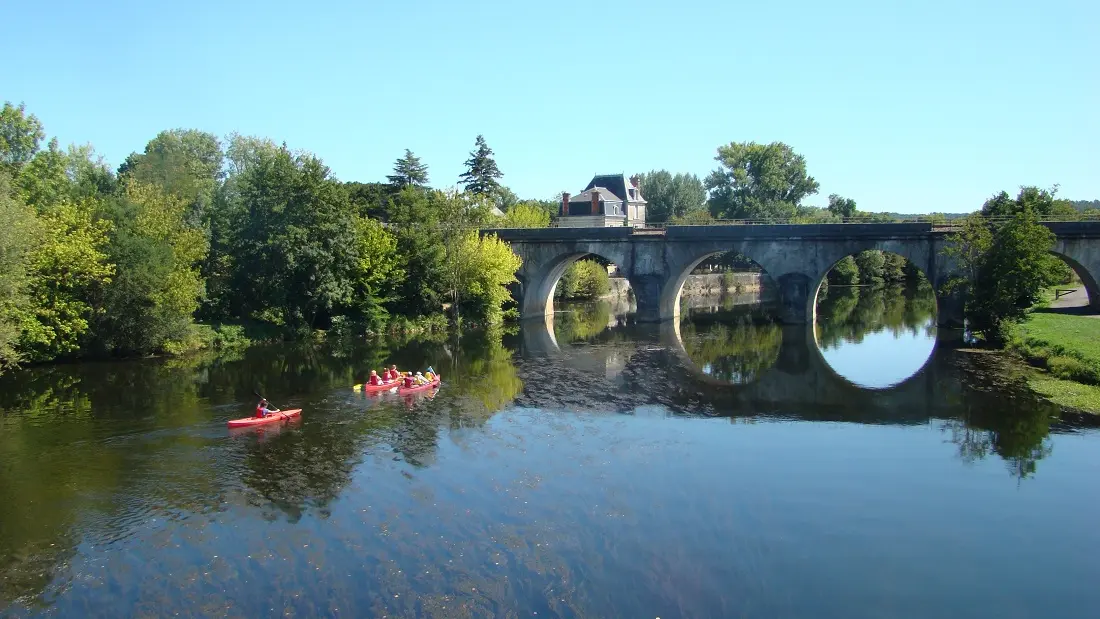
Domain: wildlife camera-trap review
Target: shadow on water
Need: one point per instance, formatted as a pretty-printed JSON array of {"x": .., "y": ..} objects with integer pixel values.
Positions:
[{"x": 135, "y": 455}]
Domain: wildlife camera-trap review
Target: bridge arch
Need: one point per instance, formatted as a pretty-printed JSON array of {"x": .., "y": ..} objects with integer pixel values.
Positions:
[{"x": 1087, "y": 277}]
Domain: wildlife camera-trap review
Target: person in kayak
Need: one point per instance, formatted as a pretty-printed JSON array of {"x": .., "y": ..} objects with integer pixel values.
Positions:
[
  {"x": 420, "y": 380},
  {"x": 394, "y": 374},
  {"x": 262, "y": 410},
  {"x": 409, "y": 382},
  {"x": 374, "y": 378}
]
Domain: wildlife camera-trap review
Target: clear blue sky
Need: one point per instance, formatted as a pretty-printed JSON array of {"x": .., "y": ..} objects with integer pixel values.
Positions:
[{"x": 903, "y": 106}]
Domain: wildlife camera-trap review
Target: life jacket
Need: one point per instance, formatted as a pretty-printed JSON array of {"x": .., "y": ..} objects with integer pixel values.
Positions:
[
  {"x": 408, "y": 381},
  {"x": 259, "y": 411},
  {"x": 374, "y": 380}
]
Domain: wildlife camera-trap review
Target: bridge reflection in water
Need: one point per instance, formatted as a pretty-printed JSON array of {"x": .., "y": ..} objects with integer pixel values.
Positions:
[{"x": 649, "y": 363}]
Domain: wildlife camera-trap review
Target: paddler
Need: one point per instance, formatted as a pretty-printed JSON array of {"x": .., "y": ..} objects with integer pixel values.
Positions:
[
  {"x": 420, "y": 380},
  {"x": 262, "y": 410},
  {"x": 408, "y": 382},
  {"x": 374, "y": 378},
  {"x": 394, "y": 374}
]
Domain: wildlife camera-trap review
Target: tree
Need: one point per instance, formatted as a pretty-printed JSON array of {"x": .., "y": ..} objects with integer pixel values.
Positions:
[
  {"x": 842, "y": 207},
  {"x": 420, "y": 252},
  {"x": 525, "y": 216},
  {"x": 844, "y": 273},
  {"x": 669, "y": 197},
  {"x": 584, "y": 279},
  {"x": 1043, "y": 204},
  {"x": 295, "y": 243},
  {"x": 893, "y": 268},
  {"x": 485, "y": 267},
  {"x": 409, "y": 172},
  {"x": 184, "y": 162},
  {"x": 870, "y": 263},
  {"x": 157, "y": 285},
  {"x": 481, "y": 170},
  {"x": 1004, "y": 269},
  {"x": 376, "y": 264},
  {"x": 69, "y": 267},
  {"x": 758, "y": 181},
  {"x": 18, "y": 230},
  {"x": 20, "y": 134}
]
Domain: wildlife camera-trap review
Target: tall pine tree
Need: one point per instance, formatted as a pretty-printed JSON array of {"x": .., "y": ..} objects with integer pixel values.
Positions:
[
  {"x": 481, "y": 170},
  {"x": 409, "y": 172}
]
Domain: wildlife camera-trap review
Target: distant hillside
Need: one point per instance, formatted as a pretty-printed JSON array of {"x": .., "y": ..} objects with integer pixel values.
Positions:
[{"x": 1084, "y": 205}]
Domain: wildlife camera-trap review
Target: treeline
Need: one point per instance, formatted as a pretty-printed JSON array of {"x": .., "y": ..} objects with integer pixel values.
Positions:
[
  {"x": 874, "y": 268},
  {"x": 771, "y": 182},
  {"x": 95, "y": 262}
]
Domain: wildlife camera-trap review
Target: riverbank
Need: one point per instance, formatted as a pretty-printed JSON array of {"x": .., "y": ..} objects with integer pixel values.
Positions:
[{"x": 1067, "y": 348}]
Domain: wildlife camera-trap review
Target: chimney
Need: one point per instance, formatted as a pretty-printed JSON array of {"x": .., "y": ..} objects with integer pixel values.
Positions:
[
  {"x": 565, "y": 204},
  {"x": 595, "y": 201}
]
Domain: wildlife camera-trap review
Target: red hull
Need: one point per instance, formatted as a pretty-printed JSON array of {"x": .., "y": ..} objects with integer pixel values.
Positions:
[
  {"x": 259, "y": 421},
  {"x": 369, "y": 388},
  {"x": 404, "y": 391}
]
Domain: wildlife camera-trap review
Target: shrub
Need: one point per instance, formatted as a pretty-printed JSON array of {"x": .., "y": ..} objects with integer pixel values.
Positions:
[{"x": 584, "y": 279}]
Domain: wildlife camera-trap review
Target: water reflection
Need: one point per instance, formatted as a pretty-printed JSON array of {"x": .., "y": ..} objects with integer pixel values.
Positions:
[
  {"x": 876, "y": 337},
  {"x": 545, "y": 458}
]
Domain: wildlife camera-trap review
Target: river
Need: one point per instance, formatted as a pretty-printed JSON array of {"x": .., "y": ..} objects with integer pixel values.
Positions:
[{"x": 869, "y": 466}]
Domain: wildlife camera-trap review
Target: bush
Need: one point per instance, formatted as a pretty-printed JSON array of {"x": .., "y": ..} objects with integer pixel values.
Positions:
[
  {"x": 1072, "y": 369},
  {"x": 584, "y": 279},
  {"x": 845, "y": 272},
  {"x": 729, "y": 282}
]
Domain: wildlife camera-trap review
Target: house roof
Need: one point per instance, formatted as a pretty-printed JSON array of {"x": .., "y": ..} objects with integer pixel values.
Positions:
[
  {"x": 586, "y": 195},
  {"x": 616, "y": 183}
]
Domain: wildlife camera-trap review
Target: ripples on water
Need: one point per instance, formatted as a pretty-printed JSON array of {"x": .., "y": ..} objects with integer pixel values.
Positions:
[{"x": 731, "y": 467}]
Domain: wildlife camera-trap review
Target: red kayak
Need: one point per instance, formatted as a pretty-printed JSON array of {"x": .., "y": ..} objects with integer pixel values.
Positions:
[
  {"x": 258, "y": 421},
  {"x": 408, "y": 390},
  {"x": 369, "y": 388}
]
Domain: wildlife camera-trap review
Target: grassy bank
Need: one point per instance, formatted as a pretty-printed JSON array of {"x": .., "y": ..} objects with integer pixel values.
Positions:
[{"x": 1068, "y": 348}]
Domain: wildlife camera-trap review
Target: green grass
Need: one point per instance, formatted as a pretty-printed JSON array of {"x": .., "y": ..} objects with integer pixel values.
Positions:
[
  {"x": 1067, "y": 393},
  {"x": 1068, "y": 348}
]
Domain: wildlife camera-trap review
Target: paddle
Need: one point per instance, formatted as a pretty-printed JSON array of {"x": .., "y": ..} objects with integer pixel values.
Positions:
[{"x": 281, "y": 413}]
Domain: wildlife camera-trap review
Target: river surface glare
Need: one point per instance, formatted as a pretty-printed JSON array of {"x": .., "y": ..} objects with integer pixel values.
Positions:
[{"x": 869, "y": 466}]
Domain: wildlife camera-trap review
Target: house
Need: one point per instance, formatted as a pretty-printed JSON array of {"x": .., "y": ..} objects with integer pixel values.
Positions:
[{"x": 608, "y": 200}]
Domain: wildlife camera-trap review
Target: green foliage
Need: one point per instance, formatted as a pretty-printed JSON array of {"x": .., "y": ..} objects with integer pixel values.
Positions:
[
  {"x": 525, "y": 215},
  {"x": 738, "y": 353},
  {"x": 183, "y": 162},
  {"x": 670, "y": 197},
  {"x": 420, "y": 251},
  {"x": 20, "y": 134},
  {"x": 481, "y": 172},
  {"x": 68, "y": 267},
  {"x": 690, "y": 218},
  {"x": 408, "y": 171},
  {"x": 870, "y": 264},
  {"x": 894, "y": 268},
  {"x": 758, "y": 181},
  {"x": 18, "y": 230},
  {"x": 483, "y": 266},
  {"x": 376, "y": 265},
  {"x": 157, "y": 286},
  {"x": 844, "y": 273},
  {"x": 295, "y": 240},
  {"x": 842, "y": 207},
  {"x": 1009, "y": 275},
  {"x": 584, "y": 279},
  {"x": 373, "y": 200}
]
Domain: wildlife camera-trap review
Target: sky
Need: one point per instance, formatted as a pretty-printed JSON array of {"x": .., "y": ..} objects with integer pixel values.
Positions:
[{"x": 903, "y": 106}]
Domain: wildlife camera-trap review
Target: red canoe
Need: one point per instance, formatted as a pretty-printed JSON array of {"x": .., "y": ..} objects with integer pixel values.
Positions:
[
  {"x": 369, "y": 388},
  {"x": 272, "y": 418},
  {"x": 408, "y": 390}
]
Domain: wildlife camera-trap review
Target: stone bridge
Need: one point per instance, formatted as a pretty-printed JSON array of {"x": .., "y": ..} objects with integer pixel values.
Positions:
[{"x": 796, "y": 256}]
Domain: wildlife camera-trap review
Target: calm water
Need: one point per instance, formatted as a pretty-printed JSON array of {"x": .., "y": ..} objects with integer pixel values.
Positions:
[{"x": 729, "y": 467}]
